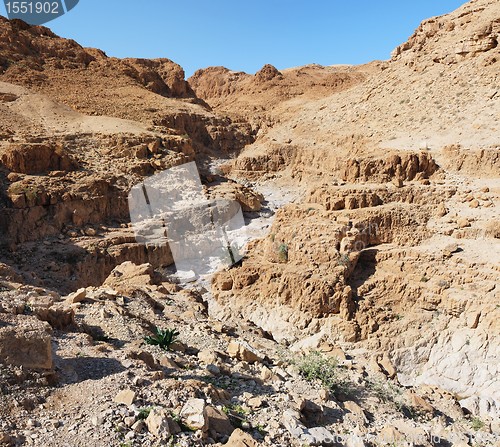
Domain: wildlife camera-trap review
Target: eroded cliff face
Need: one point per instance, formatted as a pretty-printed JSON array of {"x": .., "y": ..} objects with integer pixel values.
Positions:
[{"x": 78, "y": 130}]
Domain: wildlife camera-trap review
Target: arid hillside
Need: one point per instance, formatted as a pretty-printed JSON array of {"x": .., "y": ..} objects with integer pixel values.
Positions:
[{"x": 439, "y": 89}]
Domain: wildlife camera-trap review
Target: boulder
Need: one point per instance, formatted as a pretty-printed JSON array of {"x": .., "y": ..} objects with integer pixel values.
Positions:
[
  {"x": 125, "y": 397},
  {"x": 311, "y": 413},
  {"x": 243, "y": 352},
  {"x": 241, "y": 439},
  {"x": 387, "y": 366},
  {"x": 194, "y": 414},
  {"x": 218, "y": 423},
  {"x": 58, "y": 316},
  {"x": 128, "y": 277},
  {"x": 208, "y": 356},
  {"x": 76, "y": 297},
  {"x": 158, "y": 423}
]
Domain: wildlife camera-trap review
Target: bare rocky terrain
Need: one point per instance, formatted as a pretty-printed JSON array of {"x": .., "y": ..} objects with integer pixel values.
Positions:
[{"x": 365, "y": 311}]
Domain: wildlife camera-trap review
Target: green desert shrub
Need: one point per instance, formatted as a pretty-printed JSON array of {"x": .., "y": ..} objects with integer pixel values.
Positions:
[
  {"x": 283, "y": 252},
  {"x": 162, "y": 338},
  {"x": 316, "y": 367}
]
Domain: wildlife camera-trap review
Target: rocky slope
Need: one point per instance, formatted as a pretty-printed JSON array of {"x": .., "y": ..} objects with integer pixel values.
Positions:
[
  {"x": 366, "y": 316},
  {"x": 219, "y": 384},
  {"x": 438, "y": 90}
]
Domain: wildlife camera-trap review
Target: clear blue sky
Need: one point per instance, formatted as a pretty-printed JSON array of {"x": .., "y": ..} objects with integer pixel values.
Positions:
[{"x": 245, "y": 35}]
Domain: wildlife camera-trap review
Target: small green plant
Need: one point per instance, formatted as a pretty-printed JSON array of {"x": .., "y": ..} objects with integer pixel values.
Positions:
[
  {"x": 235, "y": 409},
  {"x": 27, "y": 309},
  {"x": 389, "y": 393},
  {"x": 261, "y": 430},
  {"x": 144, "y": 413},
  {"x": 424, "y": 279},
  {"x": 476, "y": 423},
  {"x": 385, "y": 391},
  {"x": 283, "y": 252},
  {"x": 162, "y": 338},
  {"x": 172, "y": 442},
  {"x": 344, "y": 260},
  {"x": 236, "y": 413},
  {"x": 31, "y": 194},
  {"x": 175, "y": 417},
  {"x": 315, "y": 366}
]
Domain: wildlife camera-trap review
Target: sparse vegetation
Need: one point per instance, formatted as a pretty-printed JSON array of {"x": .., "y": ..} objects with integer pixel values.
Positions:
[
  {"x": 237, "y": 414},
  {"x": 163, "y": 338},
  {"x": 105, "y": 340},
  {"x": 315, "y": 366},
  {"x": 144, "y": 413},
  {"x": 261, "y": 429},
  {"x": 389, "y": 393},
  {"x": 476, "y": 423},
  {"x": 385, "y": 391},
  {"x": 31, "y": 192},
  {"x": 179, "y": 421},
  {"x": 27, "y": 309},
  {"x": 344, "y": 260},
  {"x": 283, "y": 252},
  {"x": 235, "y": 409}
]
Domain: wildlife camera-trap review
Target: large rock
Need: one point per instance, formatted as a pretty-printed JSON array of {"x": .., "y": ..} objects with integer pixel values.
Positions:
[
  {"x": 76, "y": 297},
  {"x": 194, "y": 414},
  {"x": 243, "y": 351},
  {"x": 128, "y": 277},
  {"x": 158, "y": 423},
  {"x": 465, "y": 361},
  {"x": 125, "y": 397},
  {"x": 25, "y": 341},
  {"x": 249, "y": 199},
  {"x": 218, "y": 423},
  {"x": 241, "y": 439}
]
